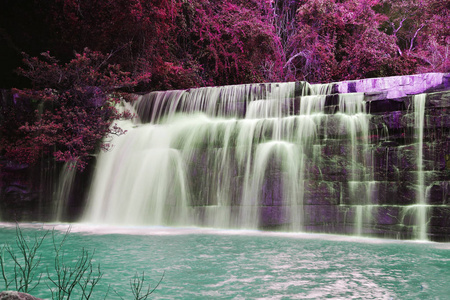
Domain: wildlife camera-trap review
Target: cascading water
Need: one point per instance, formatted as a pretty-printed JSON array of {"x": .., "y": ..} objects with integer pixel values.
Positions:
[
  {"x": 234, "y": 156},
  {"x": 362, "y": 157},
  {"x": 419, "y": 118},
  {"x": 290, "y": 156},
  {"x": 64, "y": 189},
  {"x": 355, "y": 122}
]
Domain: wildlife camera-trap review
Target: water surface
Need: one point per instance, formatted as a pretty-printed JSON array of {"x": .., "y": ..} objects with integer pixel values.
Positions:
[{"x": 224, "y": 264}]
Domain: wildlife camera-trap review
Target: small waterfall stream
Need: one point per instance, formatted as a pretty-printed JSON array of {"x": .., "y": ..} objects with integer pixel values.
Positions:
[
  {"x": 419, "y": 121},
  {"x": 64, "y": 189}
]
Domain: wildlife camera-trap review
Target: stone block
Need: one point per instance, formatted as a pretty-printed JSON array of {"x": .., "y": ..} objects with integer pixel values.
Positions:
[
  {"x": 375, "y": 96},
  {"x": 355, "y": 193},
  {"x": 439, "y": 99},
  {"x": 273, "y": 216},
  {"x": 439, "y": 193},
  {"x": 439, "y": 225},
  {"x": 404, "y": 158},
  {"x": 395, "y": 86},
  {"x": 386, "y": 215},
  {"x": 378, "y": 193},
  {"x": 333, "y": 170},
  {"x": 320, "y": 214},
  {"x": 439, "y": 119},
  {"x": 321, "y": 193},
  {"x": 272, "y": 189},
  {"x": 401, "y": 193},
  {"x": 382, "y": 105},
  {"x": 398, "y": 120}
]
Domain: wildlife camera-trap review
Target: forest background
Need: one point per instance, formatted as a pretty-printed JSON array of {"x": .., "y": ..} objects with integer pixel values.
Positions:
[{"x": 68, "y": 62}]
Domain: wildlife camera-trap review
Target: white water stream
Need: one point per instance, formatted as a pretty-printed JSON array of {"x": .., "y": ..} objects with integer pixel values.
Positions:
[
  {"x": 419, "y": 120},
  {"x": 227, "y": 157}
]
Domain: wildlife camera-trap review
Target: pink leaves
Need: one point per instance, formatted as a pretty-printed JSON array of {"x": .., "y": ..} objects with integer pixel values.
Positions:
[
  {"x": 232, "y": 42},
  {"x": 343, "y": 41},
  {"x": 81, "y": 95}
]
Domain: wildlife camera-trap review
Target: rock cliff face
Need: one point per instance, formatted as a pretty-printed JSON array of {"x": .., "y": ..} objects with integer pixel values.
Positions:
[{"x": 366, "y": 157}]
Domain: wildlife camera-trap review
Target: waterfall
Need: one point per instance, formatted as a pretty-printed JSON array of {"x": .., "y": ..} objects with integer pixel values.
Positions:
[
  {"x": 284, "y": 156},
  {"x": 419, "y": 120},
  {"x": 64, "y": 189},
  {"x": 218, "y": 156},
  {"x": 230, "y": 157},
  {"x": 354, "y": 123}
]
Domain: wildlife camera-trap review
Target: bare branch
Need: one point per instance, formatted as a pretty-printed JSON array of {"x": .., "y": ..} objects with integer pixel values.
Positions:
[
  {"x": 399, "y": 26},
  {"x": 301, "y": 53},
  {"x": 414, "y": 37}
]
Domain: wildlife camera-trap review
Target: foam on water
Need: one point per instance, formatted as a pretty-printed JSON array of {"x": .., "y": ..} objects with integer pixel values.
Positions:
[{"x": 99, "y": 229}]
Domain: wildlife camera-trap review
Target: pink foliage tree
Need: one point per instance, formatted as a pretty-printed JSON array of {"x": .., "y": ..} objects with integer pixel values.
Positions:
[
  {"x": 338, "y": 40},
  {"x": 232, "y": 43},
  {"x": 421, "y": 31},
  {"x": 75, "y": 107}
]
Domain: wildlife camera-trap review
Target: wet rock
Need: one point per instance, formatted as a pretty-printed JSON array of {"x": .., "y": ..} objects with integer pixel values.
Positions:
[
  {"x": 384, "y": 105},
  {"x": 395, "y": 86},
  {"x": 375, "y": 96},
  {"x": 273, "y": 215},
  {"x": 321, "y": 193},
  {"x": 439, "y": 99},
  {"x": 439, "y": 193},
  {"x": 323, "y": 215},
  {"x": 12, "y": 295}
]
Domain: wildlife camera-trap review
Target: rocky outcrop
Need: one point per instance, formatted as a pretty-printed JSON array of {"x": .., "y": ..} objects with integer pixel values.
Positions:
[
  {"x": 396, "y": 87},
  {"x": 12, "y": 295}
]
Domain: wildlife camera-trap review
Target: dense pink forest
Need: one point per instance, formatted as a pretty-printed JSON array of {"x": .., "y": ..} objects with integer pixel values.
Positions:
[{"x": 69, "y": 61}]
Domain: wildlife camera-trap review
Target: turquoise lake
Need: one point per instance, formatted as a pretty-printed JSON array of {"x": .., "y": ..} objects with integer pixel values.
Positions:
[{"x": 201, "y": 263}]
